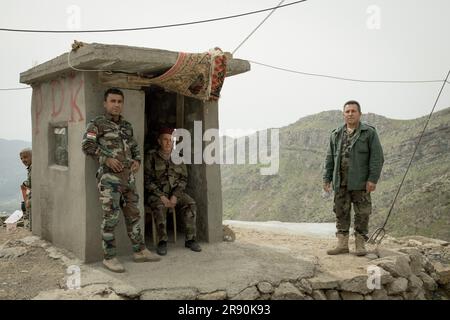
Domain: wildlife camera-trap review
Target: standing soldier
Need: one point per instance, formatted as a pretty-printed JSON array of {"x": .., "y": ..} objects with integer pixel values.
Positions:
[
  {"x": 353, "y": 164},
  {"x": 109, "y": 139},
  {"x": 165, "y": 183},
  {"x": 26, "y": 158}
]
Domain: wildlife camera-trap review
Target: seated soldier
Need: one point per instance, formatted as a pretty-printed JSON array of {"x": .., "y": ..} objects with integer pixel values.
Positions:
[{"x": 165, "y": 183}]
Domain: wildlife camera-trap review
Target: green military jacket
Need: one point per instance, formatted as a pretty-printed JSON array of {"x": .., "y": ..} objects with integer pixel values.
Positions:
[
  {"x": 366, "y": 158},
  {"x": 163, "y": 177},
  {"x": 105, "y": 138}
]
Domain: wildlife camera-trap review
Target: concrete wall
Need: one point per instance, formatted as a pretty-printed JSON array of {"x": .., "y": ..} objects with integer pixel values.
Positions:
[
  {"x": 213, "y": 179},
  {"x": 65, "y": 204},
  {"x": 204, "y": 182},
  {"x": 133, "y": 112},
  {"x": 58, "y": 202}
]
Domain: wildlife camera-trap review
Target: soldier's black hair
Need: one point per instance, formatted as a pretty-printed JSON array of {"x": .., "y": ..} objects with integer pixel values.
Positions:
[
  {"x": 353, "y": 102},
  {"x": 113, "y": 91}
]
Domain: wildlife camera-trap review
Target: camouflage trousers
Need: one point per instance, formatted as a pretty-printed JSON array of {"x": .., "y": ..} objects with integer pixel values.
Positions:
[
  {"x": 27, "y": 218},
  {"x": 362, "y": 205},
  {"x": 118, "y": 191},
  {"x": 187, "y": 208}
]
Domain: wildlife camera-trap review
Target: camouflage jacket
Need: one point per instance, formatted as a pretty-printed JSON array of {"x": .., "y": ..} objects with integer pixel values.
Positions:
[
  {"x": 365, "y": 158},
  {"x": 163, "y": 177},
  {"x": 27, "y": 183},
  {"x": 105, "y": 138}
]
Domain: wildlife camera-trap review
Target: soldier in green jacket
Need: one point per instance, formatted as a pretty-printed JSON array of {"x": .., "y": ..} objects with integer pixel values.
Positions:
[
  {"x": 165, "y": 183},
  {"x": 352, "y": 168},
  {"x": 109, "y": 139}
]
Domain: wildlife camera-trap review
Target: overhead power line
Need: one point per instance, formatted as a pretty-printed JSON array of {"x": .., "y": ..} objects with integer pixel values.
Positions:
[
  {"x": 257, "y": 27},
  {"x": 155, "y": 27},
  {"x": 11, "y": 89},
  {"x": 343, "y": 78}
]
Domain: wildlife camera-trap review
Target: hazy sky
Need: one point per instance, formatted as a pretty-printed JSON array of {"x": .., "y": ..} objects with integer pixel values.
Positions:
[{"x": 409, "y": 41}]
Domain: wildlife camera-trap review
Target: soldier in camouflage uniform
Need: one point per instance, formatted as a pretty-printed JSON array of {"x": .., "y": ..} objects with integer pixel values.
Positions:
[
  {"x": 26, "y": 158},
  {"x": 353, "y": 164},
  {"x": 165, "y": 183},
  {"x": 109, "y": 139}
]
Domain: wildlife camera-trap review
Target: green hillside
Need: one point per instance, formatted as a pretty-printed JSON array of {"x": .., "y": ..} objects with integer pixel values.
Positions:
[{"x": 295, "y": 193}]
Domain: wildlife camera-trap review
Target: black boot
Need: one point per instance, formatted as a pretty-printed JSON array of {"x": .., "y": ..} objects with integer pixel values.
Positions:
[
  {"x": 193, "y": 245},
  {"x": 162, "y": 248}
]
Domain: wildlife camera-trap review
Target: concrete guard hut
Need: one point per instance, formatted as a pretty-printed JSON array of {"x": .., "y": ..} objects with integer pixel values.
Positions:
[{"x": 67, "y": 94}]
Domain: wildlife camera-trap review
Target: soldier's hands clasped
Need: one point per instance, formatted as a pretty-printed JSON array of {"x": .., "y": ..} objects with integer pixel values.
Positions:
[
  {"x": 166, "y": 202},
  {"x": 173, "y": 201},
  {"x": 114, "y": 164}
]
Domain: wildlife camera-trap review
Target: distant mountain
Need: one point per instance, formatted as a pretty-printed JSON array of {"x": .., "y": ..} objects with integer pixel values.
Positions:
[
  {"x": 12, "y": 174},
  {"x": 295, "y": 194}
]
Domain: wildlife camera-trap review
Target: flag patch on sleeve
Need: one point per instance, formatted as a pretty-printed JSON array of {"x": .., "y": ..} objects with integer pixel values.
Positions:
[{"x": 91, "y": 135}]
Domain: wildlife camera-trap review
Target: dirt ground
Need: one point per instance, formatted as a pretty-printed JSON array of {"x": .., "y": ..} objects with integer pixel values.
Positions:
[
  {"x": 313, "y": 248},
  {"x": 35, "y": 271},
  {"x": 25, "y": 276}
]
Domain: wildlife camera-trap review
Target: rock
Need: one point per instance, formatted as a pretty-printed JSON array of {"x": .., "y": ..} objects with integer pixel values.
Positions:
[
  {"x": 29, "y": 240},
  {"x": 397, "y": 286},
  {"x": 250, "y": 293},
  {"x": 126, "y": 291},
  {"x": 431, "y": 246},
  {"x": 265, "y": 287},
  {"x": 414, "y": 243},
  {"x": 264, "y": 296},
  {"x": 287, "y": 291},
  {"x": 374, "y": 272},
  {"x": 356, "y": 284},
  {"x": 371, "y": 256},
  {"x": 395, "y": 298},
  {"x": 426, "y": 240},
  {"x": 368, "y": 297},
  {"x": 323, "y": 282},
  {"x": 386, "y": 277},
  {"x": 417, "y": 260},
  {"x": 428, "y": 266},
  {"x": 384, "y": 252},
  {"x": 443, "y": 272},
  {"x": 434, "y": 276},
  {"x": 13, "y": 252},
  {"x": 332, "y": 295},
  {"x": 414, "y": 282},
  {"x": 54, "y": 253},
  {"x": 398, "y": 266},
  {"x": 305, "y": 286},
  {"x": 92, "y": 292},
  {"x": 428, "y": 282},
  {"x": 346, "y": 295},
  {"x": 415, "y": 294},
  {"x": 319, "y": 295},
  {"x": 216, "y": 295},
  {"x": 379, "y": 294},
  {"x": 169, "y": 294}
]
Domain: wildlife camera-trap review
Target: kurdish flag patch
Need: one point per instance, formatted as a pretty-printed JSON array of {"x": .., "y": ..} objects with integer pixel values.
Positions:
[{"x": 91, "y": 135}]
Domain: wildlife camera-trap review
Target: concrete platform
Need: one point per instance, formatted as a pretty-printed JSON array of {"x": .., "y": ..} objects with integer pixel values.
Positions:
[{"x": 228, "y": 266}]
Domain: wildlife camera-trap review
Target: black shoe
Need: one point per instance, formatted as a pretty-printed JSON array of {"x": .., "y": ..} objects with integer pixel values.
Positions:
[
  {"x": 161, "y": 249},
  {"x": 193, "y": 245}
]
